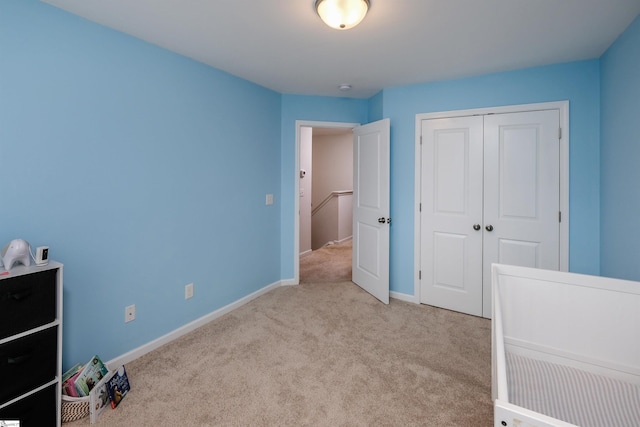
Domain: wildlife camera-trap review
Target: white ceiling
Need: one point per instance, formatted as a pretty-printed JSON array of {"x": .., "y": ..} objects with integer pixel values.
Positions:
[{"x": 283, "y": 45}]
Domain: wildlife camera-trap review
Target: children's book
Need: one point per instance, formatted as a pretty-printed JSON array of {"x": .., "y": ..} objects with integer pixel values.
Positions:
[
  {"x": 99, "y": 398},
  {"x": 118, "y": 386},
  {"x": 69, "y": 381},
  {"x": 90, "y": 376},
  {"x": 71, "y": 372}
]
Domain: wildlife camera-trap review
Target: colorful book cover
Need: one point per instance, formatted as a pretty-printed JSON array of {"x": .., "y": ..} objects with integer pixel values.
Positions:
[
  {"x": 71, "y": 372},
  {"x": 118, "y": 386},
  {"x": 68, "y": 380},
  {"x": 90, "y": 376},
  {"x": 99, "y": 398},
  {"x": 69, "y": 386}
]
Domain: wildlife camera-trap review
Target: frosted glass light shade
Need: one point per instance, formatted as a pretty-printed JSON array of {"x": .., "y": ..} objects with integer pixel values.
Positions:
[{"x": 342, "y": 14}]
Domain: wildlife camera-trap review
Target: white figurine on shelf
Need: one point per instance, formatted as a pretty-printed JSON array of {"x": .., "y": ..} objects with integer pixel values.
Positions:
[{"x": 17, "y": 250}]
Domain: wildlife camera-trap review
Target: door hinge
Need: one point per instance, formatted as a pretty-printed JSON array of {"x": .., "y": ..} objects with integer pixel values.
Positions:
[
  {"x": 419, "y": 274},
  {"x": 560, "y": 216},
  {"x": 420, "y": 139},
  {"x": 559, "y": 133},
  {"x": 420, "y": 207}
]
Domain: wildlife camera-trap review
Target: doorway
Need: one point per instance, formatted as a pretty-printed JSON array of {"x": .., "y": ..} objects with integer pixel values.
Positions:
[
  {"x": 326, "y": 204},
  {"x": 371, "y": 205},
  {"x": 326, "y": 187},
  {"x": 305, "y": 200}
]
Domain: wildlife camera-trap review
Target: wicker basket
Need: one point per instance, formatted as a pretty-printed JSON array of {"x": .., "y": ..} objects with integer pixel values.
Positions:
[{"x": 74, "y": 408}]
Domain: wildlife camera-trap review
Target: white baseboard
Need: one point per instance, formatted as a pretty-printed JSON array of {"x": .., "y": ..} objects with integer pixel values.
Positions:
[
  {"x": 288, "y": 282},
  {"x": 346, "y": 239},
  {"x": 305, "y": 253},
  {"x": 404, "y": 297},
  {"x": 336, "y": 242},
  {"x": 165, "y": 339}
]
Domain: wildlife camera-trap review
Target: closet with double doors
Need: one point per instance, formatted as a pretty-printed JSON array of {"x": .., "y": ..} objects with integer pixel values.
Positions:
[{"x": 489, "y": 193}]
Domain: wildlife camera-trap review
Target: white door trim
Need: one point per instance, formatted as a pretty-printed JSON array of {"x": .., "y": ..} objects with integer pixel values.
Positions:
[
  {"x": 563, "y": 107},
  {"x": 296, "y": 180}
]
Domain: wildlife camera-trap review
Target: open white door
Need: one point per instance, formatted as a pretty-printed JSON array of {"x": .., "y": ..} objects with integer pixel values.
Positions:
[{"x": 371, "y": 219}]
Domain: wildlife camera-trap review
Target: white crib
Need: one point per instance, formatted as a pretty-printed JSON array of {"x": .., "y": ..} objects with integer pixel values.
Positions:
[{"x": 566, "y": 349}]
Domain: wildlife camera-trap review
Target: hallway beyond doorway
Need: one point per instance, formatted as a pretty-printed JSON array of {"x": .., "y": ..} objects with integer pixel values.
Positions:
[{"x": 331, "y": 263}]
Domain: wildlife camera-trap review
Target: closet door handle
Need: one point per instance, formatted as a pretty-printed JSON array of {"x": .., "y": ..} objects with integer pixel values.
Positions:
[
  {"x": 476, "y": 227},
  {"x": 489, "y": 227}
]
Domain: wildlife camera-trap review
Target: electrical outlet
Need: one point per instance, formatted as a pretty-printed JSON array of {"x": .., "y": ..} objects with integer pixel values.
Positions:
[
  {"x": 188, "y": 291},
  {"x": 129, "y": 313},
  {"x": 269, "y": 199}
]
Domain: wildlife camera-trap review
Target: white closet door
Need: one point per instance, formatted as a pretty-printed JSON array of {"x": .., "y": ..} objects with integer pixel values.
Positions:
[
  {"x": 490, "y": 193},
  {"x": 452, "y": 169},
  {"x": 521, "y": 192}
]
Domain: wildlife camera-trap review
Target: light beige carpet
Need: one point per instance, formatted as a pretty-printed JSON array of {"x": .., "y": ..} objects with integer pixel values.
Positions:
[
  {"x": 325, "y": 354},
  {"x": 330, "y": 263}
]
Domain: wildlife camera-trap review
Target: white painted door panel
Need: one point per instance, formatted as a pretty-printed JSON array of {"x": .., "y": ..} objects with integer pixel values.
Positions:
[
  {"x": 451, "y": 205},
  {"x": 370, "y": 203},
  {"x": 522, "y": 194}
]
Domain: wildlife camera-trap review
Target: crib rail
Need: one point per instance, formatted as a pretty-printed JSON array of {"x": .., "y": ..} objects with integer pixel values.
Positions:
[{"x": 583, "y": 322}]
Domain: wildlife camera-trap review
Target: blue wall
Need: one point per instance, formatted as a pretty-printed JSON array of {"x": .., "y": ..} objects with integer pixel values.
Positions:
[
  {"x": 376, "y": 107},
  {"x": 141, "y": 169},
  {"x": 620, "y": 156}
]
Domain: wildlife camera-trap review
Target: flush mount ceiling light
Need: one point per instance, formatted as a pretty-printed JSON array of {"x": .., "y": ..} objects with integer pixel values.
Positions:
[{"x": 342, "y": 14}]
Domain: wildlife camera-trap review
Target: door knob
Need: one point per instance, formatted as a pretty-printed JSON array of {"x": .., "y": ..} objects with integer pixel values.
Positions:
[
  {"x": 382, "y": 220},
  {"x": 489, "y": 227},
  {"x": 476, "y": 227},
  {"x": 388, "y": 220}
]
